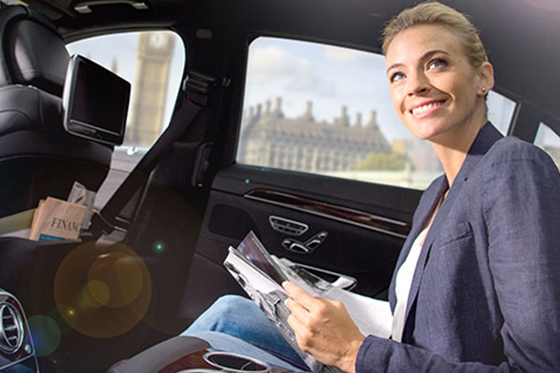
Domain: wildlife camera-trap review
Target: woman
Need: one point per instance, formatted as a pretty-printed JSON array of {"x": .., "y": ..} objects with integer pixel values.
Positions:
[{"x": 476, "y": 285}]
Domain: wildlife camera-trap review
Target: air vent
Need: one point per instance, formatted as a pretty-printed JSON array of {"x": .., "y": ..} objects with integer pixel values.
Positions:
[{"x": 11, "y": 329}]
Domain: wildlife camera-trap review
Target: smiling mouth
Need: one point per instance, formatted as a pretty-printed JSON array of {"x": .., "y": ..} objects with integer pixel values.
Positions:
[{"x": 424, "y": 108}]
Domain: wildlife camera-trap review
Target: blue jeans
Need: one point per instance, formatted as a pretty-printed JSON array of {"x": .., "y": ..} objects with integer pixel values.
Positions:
[{"x": 236, "y": 324}]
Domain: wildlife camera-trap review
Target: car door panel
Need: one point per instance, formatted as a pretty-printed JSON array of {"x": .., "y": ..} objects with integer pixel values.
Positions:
[{"x": 362, "y": 226}]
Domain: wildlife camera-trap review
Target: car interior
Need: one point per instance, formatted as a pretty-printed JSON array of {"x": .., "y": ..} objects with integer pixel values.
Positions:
[
  {"x": 38, "y": 158},
  {"x": 151, "y": 261}
]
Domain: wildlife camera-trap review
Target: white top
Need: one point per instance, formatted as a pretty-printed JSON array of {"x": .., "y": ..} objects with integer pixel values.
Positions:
[{"x": 403, "y": 284}]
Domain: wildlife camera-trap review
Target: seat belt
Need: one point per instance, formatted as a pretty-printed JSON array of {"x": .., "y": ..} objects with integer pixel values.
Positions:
[{"x": 196, "y": 92}]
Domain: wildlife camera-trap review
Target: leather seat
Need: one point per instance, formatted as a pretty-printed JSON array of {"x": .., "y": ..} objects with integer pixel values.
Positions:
[{"x": 37, "y": 157}]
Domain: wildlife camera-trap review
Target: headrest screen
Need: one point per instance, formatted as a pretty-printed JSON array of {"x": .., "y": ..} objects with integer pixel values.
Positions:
[{"x": 95, "y": 102}]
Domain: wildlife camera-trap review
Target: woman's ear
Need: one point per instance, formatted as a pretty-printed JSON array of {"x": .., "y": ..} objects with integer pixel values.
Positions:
[{"x": 486, "y": 74}]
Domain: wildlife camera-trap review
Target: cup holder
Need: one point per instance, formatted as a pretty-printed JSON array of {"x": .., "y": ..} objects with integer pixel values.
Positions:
[{"x": 235, "y": 363}]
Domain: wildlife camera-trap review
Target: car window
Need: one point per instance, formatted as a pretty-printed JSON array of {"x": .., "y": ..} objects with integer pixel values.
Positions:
[
  {"x": 549, "y": 141},
  {"x": 327, "y": 110},
  {"x": 153, "y": 63},
  {"x": 500, "y": 111}
]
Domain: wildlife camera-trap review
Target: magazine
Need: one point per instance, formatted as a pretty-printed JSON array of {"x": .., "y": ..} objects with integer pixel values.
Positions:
[{"x": 261, "y": 275}]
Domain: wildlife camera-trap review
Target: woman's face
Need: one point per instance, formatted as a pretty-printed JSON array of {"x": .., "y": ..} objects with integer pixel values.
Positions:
[{"x": 435, "y": 90}]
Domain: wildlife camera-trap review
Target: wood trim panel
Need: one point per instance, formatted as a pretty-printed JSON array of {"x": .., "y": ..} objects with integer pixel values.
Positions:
[{"x": 330, "y": 211}]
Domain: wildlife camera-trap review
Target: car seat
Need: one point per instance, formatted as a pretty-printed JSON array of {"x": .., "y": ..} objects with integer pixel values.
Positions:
[{"x": 38, "y": 158}]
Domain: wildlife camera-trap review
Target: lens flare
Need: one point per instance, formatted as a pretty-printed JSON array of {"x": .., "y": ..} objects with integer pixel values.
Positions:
[
  {"x": 45, "y": 333},
  {"x": 95, "y": 294},
  {"x": 102, "y": 291},
  {"x": 115, "y": 279},
  {"x": 99, "y": 291},
  {"x": 67, "y": 323},
  {"x": 159, "y": 247}
]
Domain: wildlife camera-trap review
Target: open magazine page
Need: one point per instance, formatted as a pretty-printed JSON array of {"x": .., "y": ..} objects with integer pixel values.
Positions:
[
  {"x": 270, "y": 297},
  {"x": 253, "y": 250},
  {"x": 372, "y": 316}
]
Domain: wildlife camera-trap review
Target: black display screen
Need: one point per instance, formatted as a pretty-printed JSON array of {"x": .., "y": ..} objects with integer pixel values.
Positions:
[{"x": 96, "y": 102}]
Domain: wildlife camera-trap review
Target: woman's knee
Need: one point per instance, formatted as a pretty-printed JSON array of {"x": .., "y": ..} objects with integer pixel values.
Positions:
[
  {"x": 231, "y": 304},
  {"x": 231, "y": 309},
  {"x": 222, "y": 315}
]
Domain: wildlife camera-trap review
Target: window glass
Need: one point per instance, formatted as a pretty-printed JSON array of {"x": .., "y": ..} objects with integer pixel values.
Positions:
[
  {"x": 549, "y": 141},
  {"x": 500, "y": 111},
  {"x": 327, "y": 110},
  {"x": 153, "y": 63}
]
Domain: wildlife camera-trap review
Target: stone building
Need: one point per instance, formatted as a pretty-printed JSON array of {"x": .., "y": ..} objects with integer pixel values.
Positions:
[{"x": 270, "y": 139}]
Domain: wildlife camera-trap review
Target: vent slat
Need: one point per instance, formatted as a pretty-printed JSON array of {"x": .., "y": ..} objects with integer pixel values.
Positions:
[{"x": 11, "y": 329}]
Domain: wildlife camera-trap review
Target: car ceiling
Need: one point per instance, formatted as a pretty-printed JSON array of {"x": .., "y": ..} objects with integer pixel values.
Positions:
[{"x": 522, "y": 36}]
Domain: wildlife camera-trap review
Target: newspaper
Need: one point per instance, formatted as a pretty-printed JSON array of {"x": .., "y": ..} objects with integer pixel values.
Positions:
[
  {"x": 55, "y": 219},
  {"x": 261, "y": 275}
]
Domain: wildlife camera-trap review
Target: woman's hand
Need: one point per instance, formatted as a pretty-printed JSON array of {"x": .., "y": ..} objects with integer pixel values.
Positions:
[{"x": 323, "y": 329}]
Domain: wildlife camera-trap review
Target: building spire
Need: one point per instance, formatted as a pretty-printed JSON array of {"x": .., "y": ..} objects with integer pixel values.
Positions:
[
  {"x": 343, "y": 120},
  {"x": 372, "y": 124},
  {"x": 278, "y": 108},
  {"x": 308, "y": 114},
  {"x": 358, "y": 120}
]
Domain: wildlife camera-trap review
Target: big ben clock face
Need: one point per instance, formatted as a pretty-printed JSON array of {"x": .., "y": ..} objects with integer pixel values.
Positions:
[{"x": 156, "y": 40}]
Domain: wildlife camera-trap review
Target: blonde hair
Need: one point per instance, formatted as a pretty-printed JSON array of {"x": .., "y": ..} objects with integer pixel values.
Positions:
[{"x": 434, "y": 13}]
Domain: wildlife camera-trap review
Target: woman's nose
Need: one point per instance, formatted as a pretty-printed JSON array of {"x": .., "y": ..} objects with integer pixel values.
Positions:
[{"x": 417, "y": 84}]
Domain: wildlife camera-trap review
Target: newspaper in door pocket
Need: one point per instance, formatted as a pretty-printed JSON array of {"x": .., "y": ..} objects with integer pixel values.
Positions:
[{"x": 55, "y": 219}]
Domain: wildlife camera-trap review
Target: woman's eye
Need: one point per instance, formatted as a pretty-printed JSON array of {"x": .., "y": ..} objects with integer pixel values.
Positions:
[
  {"x": 396, "y": 77},
  {"x": 436, "y": 63}
]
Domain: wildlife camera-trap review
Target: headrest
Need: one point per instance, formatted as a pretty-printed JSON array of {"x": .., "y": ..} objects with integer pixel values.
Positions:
[{"x": 32, "y": 52}]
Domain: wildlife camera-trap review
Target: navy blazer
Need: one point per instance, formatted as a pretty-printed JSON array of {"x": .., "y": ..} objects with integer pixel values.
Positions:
[{"x": 485, "y": 296}]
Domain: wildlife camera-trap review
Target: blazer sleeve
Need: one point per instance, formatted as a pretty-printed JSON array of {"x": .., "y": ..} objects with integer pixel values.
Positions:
[{"x": 521, "y": 204}]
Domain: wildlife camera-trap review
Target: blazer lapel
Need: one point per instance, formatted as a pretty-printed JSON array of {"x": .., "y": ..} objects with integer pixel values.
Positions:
[
  {"x": 416, "y": 280},
  {"x": 486, "y": 137},
  {"x": 421, "y": 217}
]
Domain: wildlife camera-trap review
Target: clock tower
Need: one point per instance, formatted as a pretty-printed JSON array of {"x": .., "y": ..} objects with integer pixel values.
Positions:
[{"x": 155, "y": 50}]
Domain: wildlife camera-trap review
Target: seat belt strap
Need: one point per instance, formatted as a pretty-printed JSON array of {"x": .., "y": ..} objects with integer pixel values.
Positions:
[{"x": 197, "y": 88}]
